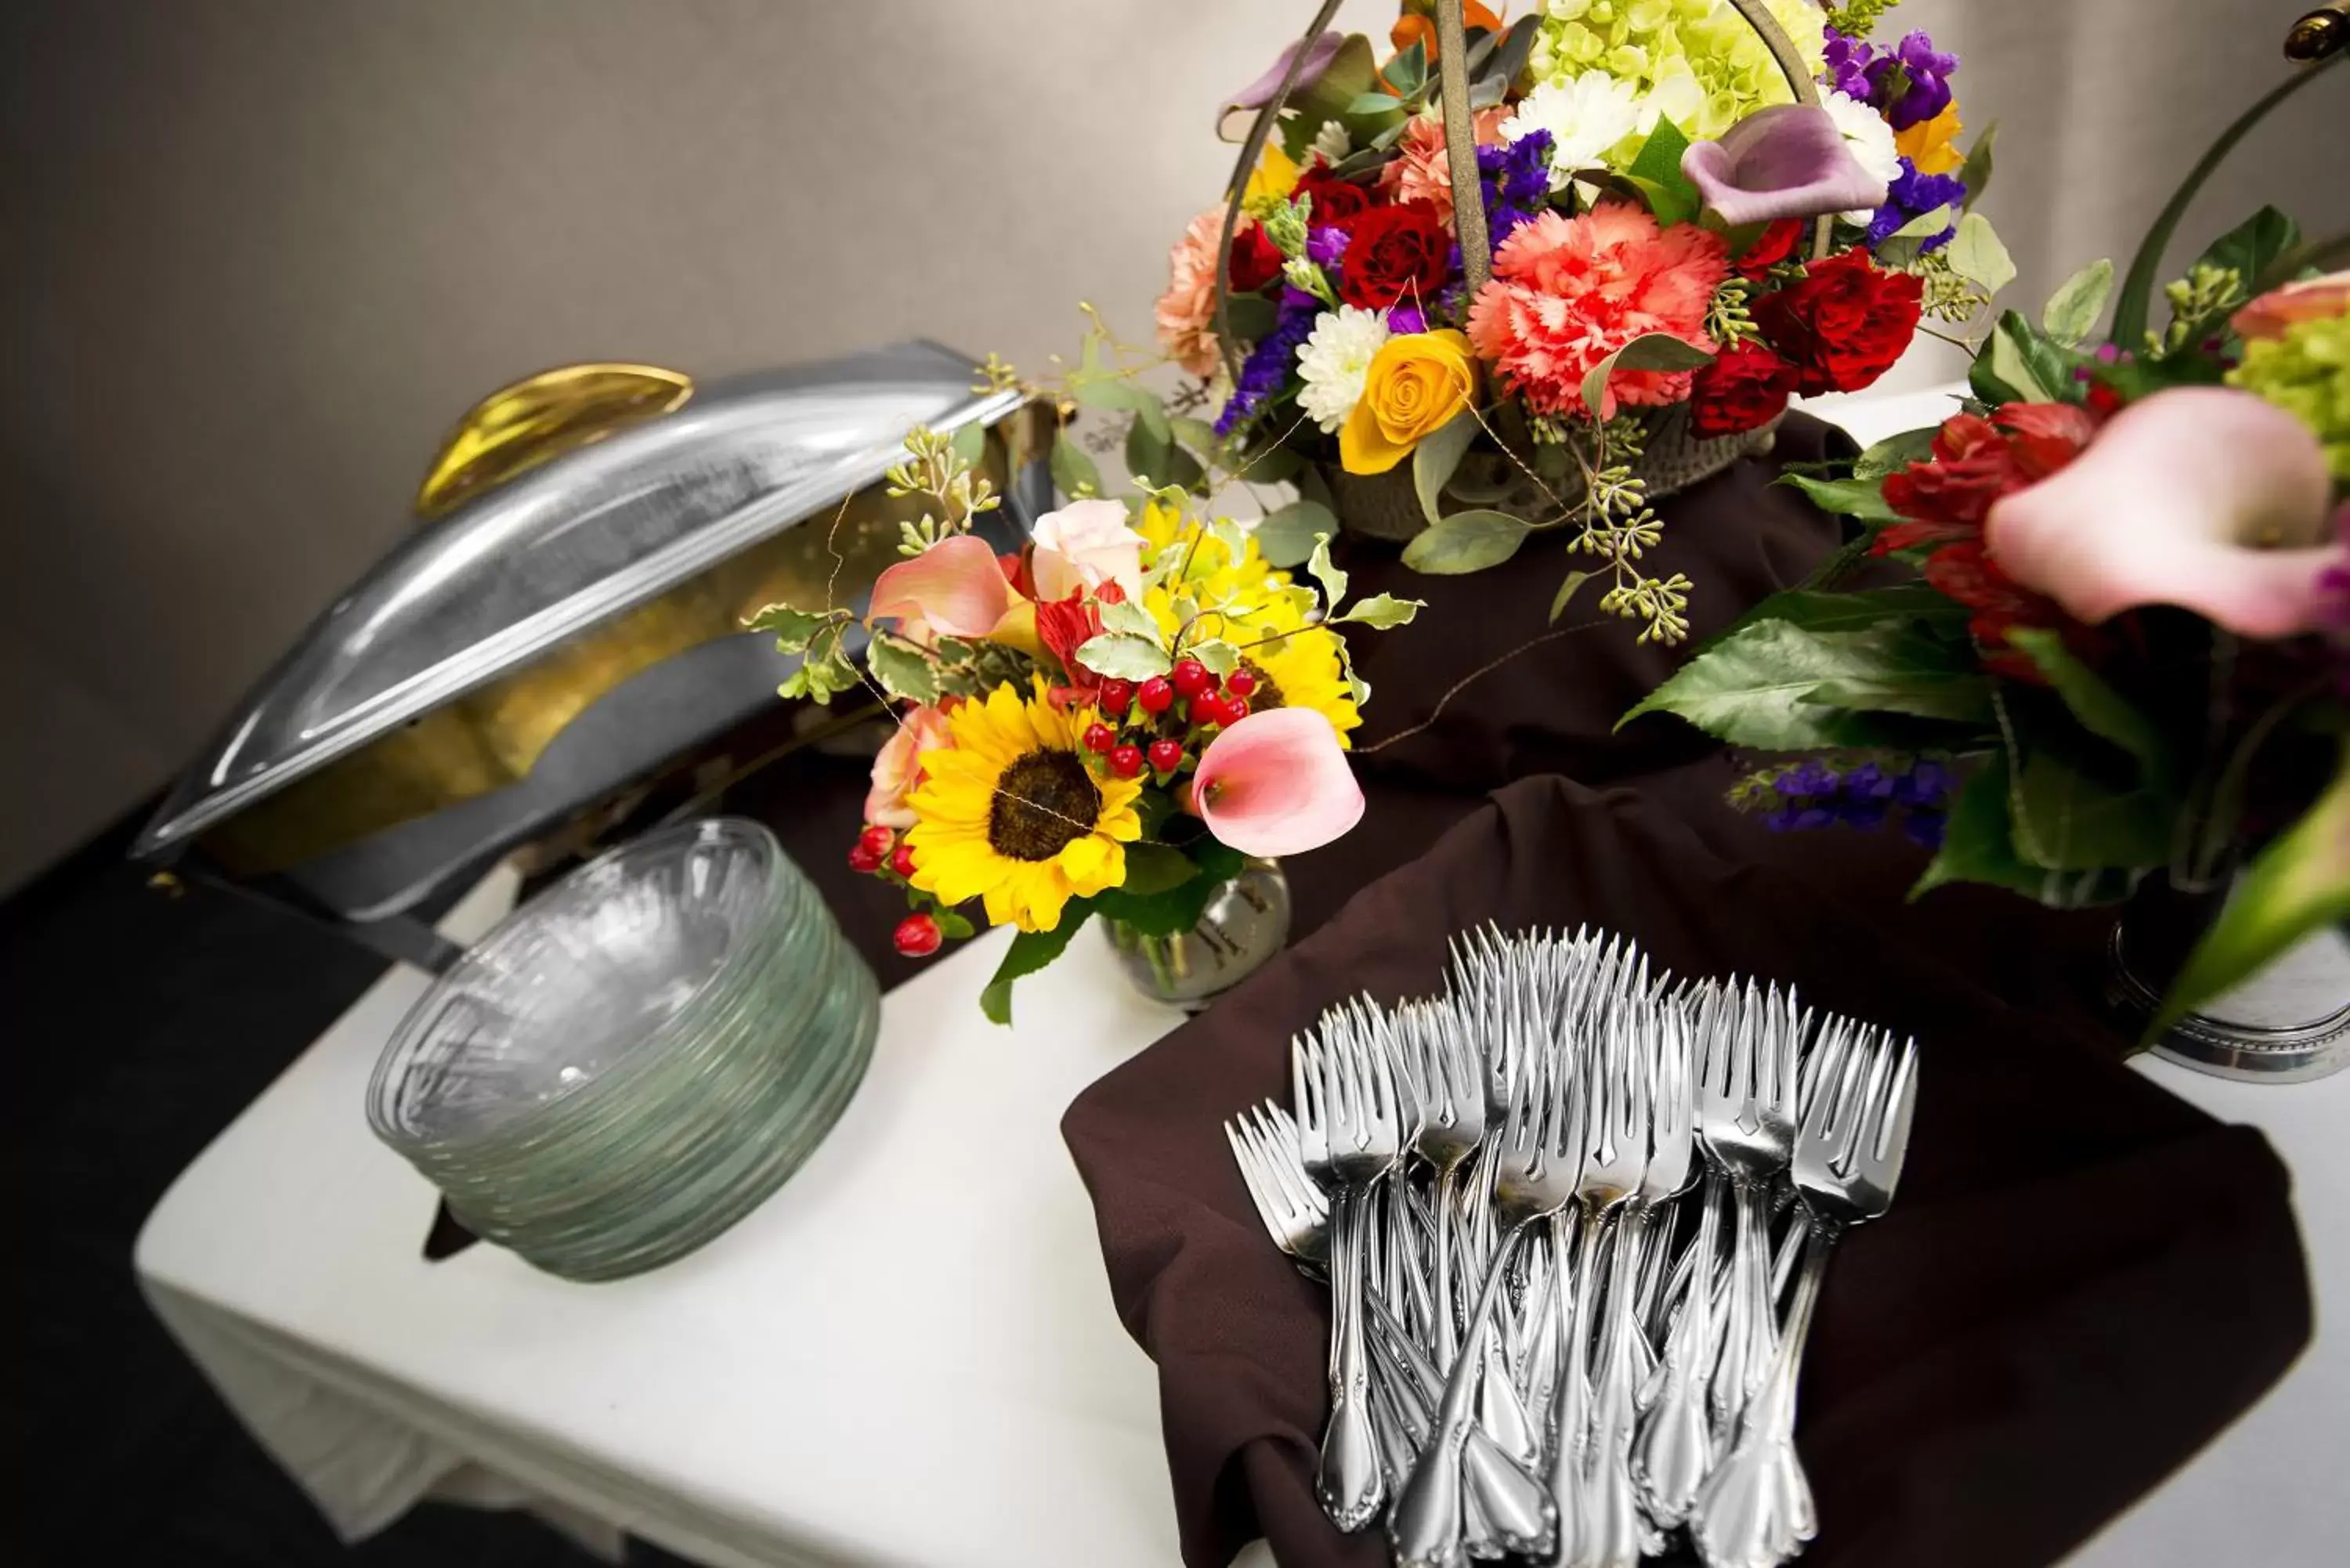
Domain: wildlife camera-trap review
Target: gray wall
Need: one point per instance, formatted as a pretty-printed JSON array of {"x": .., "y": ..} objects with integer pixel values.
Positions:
[{"x": 259, "y": 252}]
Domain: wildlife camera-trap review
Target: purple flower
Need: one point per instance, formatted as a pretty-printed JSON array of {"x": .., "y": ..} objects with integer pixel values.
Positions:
[
  {"x": 1784, "y": 162},
  {"x": 1809, "y": 777},
  {"x": 1911, "y": 197},
  {"x": 1925, "y": 828},
  {"x": 1867, "y": 782},
  {"x": 1848, "y": 61},
  {"x": 1324, "y": 245},
  {"x": 1927, "y": 783},
  {"x": 1912, "y": 82},
  {"x": 1515, "y": 180},
  {"x": 1404, "y": 318},
  {"x": 1799, "y": 818},
  {"x": 1268, "y": 364}
]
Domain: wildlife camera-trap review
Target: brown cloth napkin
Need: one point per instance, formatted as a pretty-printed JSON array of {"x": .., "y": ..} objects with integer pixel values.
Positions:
[{"x": 2082, "y": 1279}]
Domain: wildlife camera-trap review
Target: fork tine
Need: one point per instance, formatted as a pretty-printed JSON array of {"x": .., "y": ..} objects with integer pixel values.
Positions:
[
  {"x": 1863, "y": 1077},
  {"x": 1887, "y": 1140},
  {"x": 1823, "y": 1072}
]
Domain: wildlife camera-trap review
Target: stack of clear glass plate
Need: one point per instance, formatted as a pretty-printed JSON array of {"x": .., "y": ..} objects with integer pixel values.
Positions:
[{"x": 629, "y": 1062}]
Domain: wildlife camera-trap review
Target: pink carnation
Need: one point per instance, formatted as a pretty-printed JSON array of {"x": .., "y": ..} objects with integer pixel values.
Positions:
[
  {"x": 1421, "y": 174},
  {"x": 1186, "y": 311},
  {"x": 1568, "y": 291}
]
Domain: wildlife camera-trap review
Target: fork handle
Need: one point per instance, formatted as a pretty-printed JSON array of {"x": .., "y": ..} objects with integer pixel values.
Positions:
[
  {"x": 1351, "y": 1484},
  {"x": 1748, "y": 1339}
]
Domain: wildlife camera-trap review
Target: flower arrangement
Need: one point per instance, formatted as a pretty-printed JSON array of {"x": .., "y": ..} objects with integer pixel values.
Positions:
[
  {"x": 1108, "y": 719},
  {"x": 2106, "y": 634},
  {"x": 1665, "y": 247}
]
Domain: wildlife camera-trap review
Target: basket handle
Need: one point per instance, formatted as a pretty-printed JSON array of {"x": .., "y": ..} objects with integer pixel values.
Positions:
[{"x": 1460, "y": 145}]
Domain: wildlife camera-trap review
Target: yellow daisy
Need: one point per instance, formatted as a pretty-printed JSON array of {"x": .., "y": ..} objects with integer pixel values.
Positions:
[{"x": 1011, "y": 815}]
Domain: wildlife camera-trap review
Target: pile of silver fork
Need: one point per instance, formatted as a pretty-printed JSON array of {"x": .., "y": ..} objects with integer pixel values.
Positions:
[{"x": 1626, "y": 1171}]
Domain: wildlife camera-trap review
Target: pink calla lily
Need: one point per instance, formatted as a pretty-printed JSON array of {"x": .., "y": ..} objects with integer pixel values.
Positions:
[
  {"x": 2203, "y": 497},
  {"x": 956, "y": 586},
  {"x": 1278, "y": 784},
  {"x": 1786, "y": 162}
]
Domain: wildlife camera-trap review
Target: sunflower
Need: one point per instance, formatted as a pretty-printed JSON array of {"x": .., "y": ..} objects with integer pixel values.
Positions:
[
  {"x": 1297, "y": 665},
  {"x": 1011, "y": 815}
]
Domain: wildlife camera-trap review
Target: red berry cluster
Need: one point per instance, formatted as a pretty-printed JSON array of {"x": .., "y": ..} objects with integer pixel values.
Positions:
[
  {"x": 1157, "y": 724},
  {"x": 878, "y": 852}
]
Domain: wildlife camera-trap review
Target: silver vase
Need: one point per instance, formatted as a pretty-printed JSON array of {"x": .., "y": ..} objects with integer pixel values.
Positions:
[
  {"x": 1246, "y": 922},
  {"x": 2288, "y": 1024}
]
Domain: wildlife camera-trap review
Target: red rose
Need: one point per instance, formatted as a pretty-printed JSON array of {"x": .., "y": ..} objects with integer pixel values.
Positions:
[
  {"x": 1336, "y": 202},
  {"x": 1776, "y": 244},
  {"x": 1844, "y": 324},
  {"x": 1256, "y": 260},
  {"x": 1746, "y": 388},
  {"x": 1395, "y": 253}
]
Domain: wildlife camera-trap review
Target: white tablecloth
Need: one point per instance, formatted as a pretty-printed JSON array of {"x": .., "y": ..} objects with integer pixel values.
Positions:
[{"x": 909, "y": 1355}]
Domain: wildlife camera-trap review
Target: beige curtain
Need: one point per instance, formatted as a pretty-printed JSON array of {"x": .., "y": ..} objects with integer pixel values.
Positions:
[{"x": 259, "y": 252}]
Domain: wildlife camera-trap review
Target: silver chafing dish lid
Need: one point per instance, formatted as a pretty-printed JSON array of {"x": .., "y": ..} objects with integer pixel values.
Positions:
[{"x": 585, "y": 536}]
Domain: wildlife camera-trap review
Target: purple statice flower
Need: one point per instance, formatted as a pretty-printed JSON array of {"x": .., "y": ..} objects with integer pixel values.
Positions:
[
  {"x": 1807, "y": 778},
  {"x": 1925, "y": 828},
  {"x": 1926, "y": 785},
  {"x": 1848, "y": 62},
  {"x": 1515, "y": 180},
  {"x": 1324, "y": 245},
  {"x": 1911, "y": 81},
  {"x": 1268, "y": 364},
  {"x": 1402, "y": 319},
  {"x": 1912, "y": 196},
  {"x": 1863, "y": 796},
  {"x": 1799, "y": 818}
]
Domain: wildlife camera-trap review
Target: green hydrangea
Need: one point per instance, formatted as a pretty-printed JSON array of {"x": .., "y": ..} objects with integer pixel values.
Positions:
[
  {"x": 2306, "y": 372},
  {"x": 1705, "y": 67}
]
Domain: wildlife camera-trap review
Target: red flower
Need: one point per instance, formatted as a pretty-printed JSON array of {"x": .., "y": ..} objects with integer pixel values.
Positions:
[
  {"x": 1064, "y": 626},
  {"x": 1256, "y": 260},
  {"x": 1393, "y": 254},
  {"x": 1746, "y": 388},
  {"x": 1776, "y": 244},
  {"x": 1843, "y": 325},
  {"x": 1976, "y": 462},
  {"x": 1336, "y": 202},
  {"x": 1966, "y": 573}
]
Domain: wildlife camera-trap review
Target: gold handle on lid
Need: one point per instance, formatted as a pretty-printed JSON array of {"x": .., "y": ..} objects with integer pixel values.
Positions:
[
  {"x": 522, "y": 425},
  {"x": 2321, "y": 35}
]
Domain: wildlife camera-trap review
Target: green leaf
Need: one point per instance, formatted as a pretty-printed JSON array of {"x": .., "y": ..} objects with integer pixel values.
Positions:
[
  {"x": 1333, "y": 580},
  {"x": 2068, "y": 818},
  {"x": 1130, "y": 618},
  {"x": 953, "y": 925},
  {"x": 1123, "y": 657},
  {"x": 792, "y": 628},
  {"x": 1374, "y": 103},
  {"x": 1253, "y": 316},
  {"x": 1030, "y": 951},
  {"x": 1894, "y": 454},
  {"x": 903, "y": 670},
  {"x": 1196, "y": 435},
  {"x": 2253, "y": 246},
  {"x": 2072, "y": 314},
  {"x": 1672, "y": 196},
  {"x": 2293, "y": 888},
  {"x": 1176, "y": 909},
  {"x": 1108, "y": 389},
  {"x": 1436, "y": 457},
  {"x": 1978, "y": 254},
  {"x": 1861, "y": 498},
  {"x": 1978, "y": 842},
  {"x": 1074, "y": 473},
  {"x": 1384, "y": 612},
  {"x": 1917, "y": 609},
  {"x": 1567, "y": 592},
  {"x": 1154, "y": 868},
  {"x": 969, "y": 442},
  {"x": 2102, "y": 711},
  {"x": 1963, "y": 696},
  {"x": 1221, "y": 657},
  {"x": 1648, "y": 351},
  {"x": 2023, "y": 364},
  {"x": 2138, "y": 287},
  {"x": 1975, "y": 174},
  {"x": 1908, "y": 243},
  {"x": 1152, "y": 455},
  {"x": 1466, "y": 542},
  {"x": 1408, "y": 72},
  {"x": 1286, "y": 536},
  {"x": 1755, "y": 689}
]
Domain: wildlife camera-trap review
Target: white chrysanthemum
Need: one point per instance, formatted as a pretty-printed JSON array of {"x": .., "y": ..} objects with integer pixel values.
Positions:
[
  {"x": 1334, "y": 360},
  {"x": 1332, "y": 141},
  {"x": 1868, "y": 137},
  {"x": 1586, "y": 115}
]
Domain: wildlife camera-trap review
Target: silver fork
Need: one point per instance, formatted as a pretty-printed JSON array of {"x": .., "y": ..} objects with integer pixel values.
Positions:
[
  {"x": 1295, "y": 1211},
  {"x": 1535, "y": 1161},
  {"x": 1360, "y": 1116},
  {"x": 1755, "y": 1509},
  {"x": 1445, "y": 1072},
  {"x": 1746, "y": 1120}
]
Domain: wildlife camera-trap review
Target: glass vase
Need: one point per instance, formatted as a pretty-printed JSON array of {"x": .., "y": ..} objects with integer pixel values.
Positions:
[{"x": 1245, "y": 923}]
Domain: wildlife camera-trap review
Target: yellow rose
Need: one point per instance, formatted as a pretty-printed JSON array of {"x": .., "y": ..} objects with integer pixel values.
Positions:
[
  {"x": 1933, "y": 144},
  {"x": 1415, "y": 384}
]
